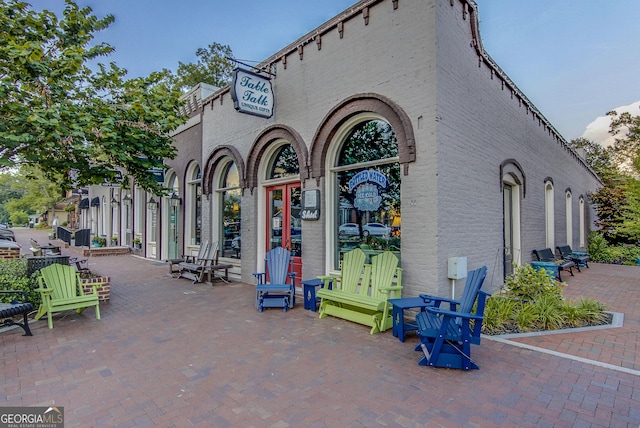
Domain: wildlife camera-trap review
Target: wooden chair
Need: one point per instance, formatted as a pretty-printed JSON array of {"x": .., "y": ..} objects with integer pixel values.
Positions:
[
  {"x": 61, "y": 290},
  {"x": 446, "y": 335},
  {"x": 196, "y": 269},
  {"x": 276, "y": 286},
  {"x": 350, "y": 274},
  {"x": 202, "y": 251},
  {"x": 214, "y": 265},
  {"x": 361, "y": 293}
]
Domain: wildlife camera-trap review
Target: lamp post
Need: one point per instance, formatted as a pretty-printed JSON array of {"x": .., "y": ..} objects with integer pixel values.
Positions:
[
  {"x": 152, "y": 205},
  {"x": 175, "y": 200},
  {"x": 114, "y": 203},
  {"x": 127, "y": 199}
]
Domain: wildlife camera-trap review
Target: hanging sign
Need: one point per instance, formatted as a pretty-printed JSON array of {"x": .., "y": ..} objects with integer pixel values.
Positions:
[
  {"x": 310, "y": 205},
  {"x": 367, "y": 185},
  {"x": 252, "y": 93}
]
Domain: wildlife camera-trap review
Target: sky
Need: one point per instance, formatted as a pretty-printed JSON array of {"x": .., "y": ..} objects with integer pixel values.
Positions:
[{"x": 575, "y": 60}]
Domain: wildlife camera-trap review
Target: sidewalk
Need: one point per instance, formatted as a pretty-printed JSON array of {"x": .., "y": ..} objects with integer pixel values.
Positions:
[{"x": 173, "y": 354}]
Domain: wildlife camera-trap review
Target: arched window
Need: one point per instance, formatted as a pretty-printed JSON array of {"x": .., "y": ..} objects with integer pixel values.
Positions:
[
  {"x": 230, "y": 197},
  {"x": 194, "y": 202},
  {"x": 366, "y": 194},
  {"x": 569, "y": 217},
  {"x": 549, "y": 213},
  {"x": 284, "y": 163},
  {"x": 581, "y": 208}
]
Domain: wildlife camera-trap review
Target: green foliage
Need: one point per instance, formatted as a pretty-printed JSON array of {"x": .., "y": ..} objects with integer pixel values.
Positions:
[
  {"x": 528, "y": 283},
  {"x": 13, "y": 276},
  {"x": 601, "y": 251},
  {"x": 533, "y": 303},
  {"x": 212, "y": 67},
  {"x": 61, "y": 116}
]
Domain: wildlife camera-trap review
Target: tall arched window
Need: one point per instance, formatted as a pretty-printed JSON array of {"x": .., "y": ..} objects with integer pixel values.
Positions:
[
  {"x": 582, "y": 222},
  {"x": 194, "y": 204},
  {"x": 230, "y": 197},
  {"x": 366, "y": 189},
  {"x": 569, "y": 217},
  {"x": 549, "y": 213}
]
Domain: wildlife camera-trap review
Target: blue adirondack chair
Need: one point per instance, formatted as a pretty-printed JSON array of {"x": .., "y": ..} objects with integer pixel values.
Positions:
[
  {"x": 276, "y": 286},
  {"x": 446, "y": 335}
]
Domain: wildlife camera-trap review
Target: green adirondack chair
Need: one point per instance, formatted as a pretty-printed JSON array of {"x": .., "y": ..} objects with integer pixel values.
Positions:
[
  {"x": 360, "y": 294},
  {"x": 350, "y": 272},
  {"x": 384, "y": 268},
  {"x": 61, "y": 290}
]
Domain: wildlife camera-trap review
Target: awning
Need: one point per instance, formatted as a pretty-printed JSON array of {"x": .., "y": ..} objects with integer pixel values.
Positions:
[
  {"x": 84, "y": 204},
  {"x": 95, "y": 202}
]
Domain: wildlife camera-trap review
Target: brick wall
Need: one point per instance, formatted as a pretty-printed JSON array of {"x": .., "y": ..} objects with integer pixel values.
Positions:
[{"x": 9, "y": 253}]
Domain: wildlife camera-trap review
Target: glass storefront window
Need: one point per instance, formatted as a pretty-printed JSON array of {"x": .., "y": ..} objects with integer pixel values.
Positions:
[
  {"x": 285, "y": 163},
  {"x": 368, "y": 191},
  {"x": 231, "y": 212}
]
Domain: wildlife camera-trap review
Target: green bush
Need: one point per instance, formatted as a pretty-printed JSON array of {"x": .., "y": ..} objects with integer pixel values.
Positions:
[
  {"x": 600, "y": 251},
  {"x": 533, "y": 301},
  {"x": 13, "y": 276},
  {"x": 528, "y": 283}
]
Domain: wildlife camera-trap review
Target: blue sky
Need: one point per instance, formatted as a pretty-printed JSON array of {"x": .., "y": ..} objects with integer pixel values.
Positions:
[{"x": 575, "y": 60}]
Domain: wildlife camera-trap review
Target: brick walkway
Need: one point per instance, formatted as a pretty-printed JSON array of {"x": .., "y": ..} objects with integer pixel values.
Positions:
[{"x": 172, "y": 354}]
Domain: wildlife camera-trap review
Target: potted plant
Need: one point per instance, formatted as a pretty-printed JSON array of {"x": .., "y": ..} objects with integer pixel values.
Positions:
[
  {"x": 114, "y": 239},
  {"x": 99, "y": 241},
  {"x": 137, "y": 242}
]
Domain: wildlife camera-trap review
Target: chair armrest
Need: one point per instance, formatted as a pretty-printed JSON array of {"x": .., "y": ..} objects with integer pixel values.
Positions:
[
  {"x": 388, "y": 290},
  {"x": 435, "y": 301},
  {"x": 260, "y": 277},
  {"x": 454, "y": 314},
  {"x": 43, "y": 290}
]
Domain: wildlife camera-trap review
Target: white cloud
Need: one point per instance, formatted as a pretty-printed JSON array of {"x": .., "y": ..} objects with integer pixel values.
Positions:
[{"x": 598, "y": 130}]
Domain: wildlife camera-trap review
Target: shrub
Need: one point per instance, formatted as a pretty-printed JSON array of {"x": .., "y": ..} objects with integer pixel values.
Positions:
[
  {"x": 528, "y": 283},
  {"x": 533, "y": 301},
  {"x": 13, "y": 276}
]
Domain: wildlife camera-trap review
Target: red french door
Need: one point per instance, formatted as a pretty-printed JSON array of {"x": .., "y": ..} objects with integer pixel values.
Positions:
[{"x": 284, "y": 228}]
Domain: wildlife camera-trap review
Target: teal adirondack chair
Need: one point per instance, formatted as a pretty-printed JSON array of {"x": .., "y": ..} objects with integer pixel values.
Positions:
[
  {"x": 446, "y": 335},
  {"x": 61, "y": 290},
  {"x": 276, "y": 286}
]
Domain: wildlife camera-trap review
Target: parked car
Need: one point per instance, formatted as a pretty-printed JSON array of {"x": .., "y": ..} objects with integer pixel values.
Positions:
[
  {"x": 349, "y": 229},
  {"x": 376, "y": 229},
  {"x": 7, "y": 235}
]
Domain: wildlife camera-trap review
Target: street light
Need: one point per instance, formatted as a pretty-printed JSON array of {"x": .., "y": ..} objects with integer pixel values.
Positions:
[
  {"x": 175, "y": 200},
  {"x": 127, "y": 199},
  {"x": 114, "y": 203},
  {"x": 152, "y": 205}
]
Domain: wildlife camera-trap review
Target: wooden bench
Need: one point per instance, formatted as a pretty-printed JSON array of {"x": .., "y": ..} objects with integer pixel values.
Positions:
[
  {"x": 547, "y": 255},
  {"x": 364, "y": 301},
  {"x": 16, "y": 308}
]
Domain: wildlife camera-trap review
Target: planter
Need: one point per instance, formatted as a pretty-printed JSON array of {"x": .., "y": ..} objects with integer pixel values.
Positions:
[{"x": 104, "y": 291}]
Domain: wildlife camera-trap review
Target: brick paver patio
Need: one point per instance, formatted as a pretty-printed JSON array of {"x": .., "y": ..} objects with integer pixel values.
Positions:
[{"x": 173, "y": 354}]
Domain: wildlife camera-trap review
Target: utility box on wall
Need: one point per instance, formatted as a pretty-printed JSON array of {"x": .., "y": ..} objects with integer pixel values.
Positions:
[{"x": 457, "y": 267}]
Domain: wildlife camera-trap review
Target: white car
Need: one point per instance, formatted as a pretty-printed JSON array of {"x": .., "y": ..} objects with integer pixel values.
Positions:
[
  {"x": 375, "y": 229},
  {"x": 349, "y": 229}
]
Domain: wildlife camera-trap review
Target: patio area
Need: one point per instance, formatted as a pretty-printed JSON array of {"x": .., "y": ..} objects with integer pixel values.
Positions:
[{"x": 175, "y": 354}]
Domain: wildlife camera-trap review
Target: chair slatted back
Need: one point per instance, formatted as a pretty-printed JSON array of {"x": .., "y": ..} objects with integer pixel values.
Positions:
[
  {"x": 383, "y": 270},
  {"x": 475, "y": 278},
  {"x": 544, "y": 255},
  {"x": 63, "y": 280},
  {"x": 203, "y": 251},
  {"x": 351, "y": 270},
  {"x": 278, "y": 264}
]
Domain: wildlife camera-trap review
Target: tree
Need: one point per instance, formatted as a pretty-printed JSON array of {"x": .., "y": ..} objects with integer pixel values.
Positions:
[
  {"x": 75, "y": 124},
  {"x": 27, "y": 192},
  {"x": 599, "y": 158},
  {"x": 627, "y": 147},
  {"x": 213, "y": 67}
]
